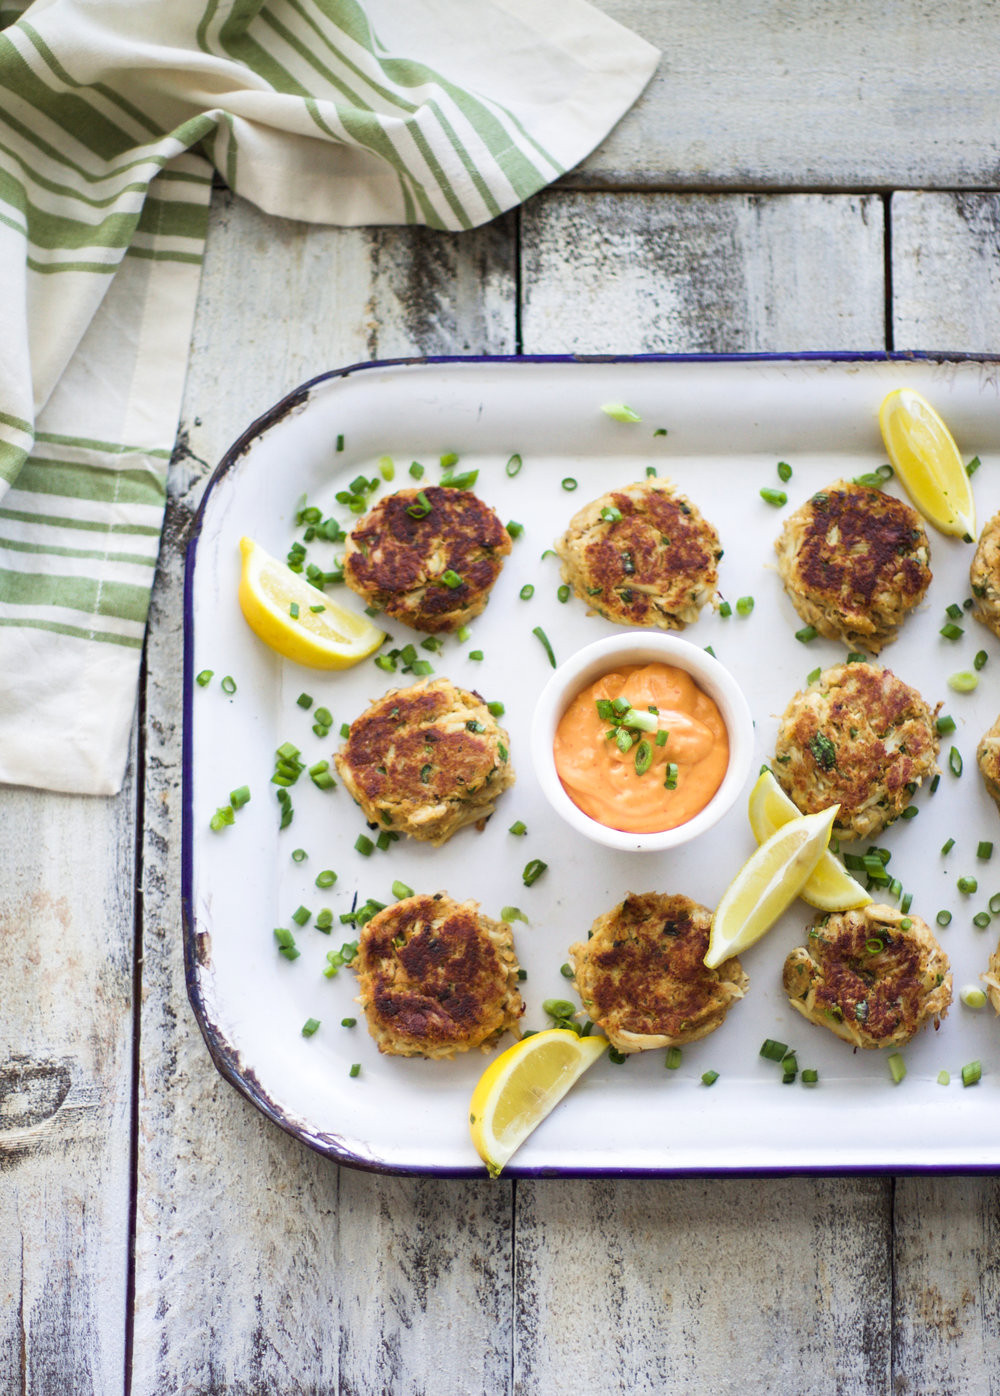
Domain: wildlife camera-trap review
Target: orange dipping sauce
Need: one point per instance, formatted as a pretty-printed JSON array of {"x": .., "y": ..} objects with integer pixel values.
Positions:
[{"x": 602, "y": 780}]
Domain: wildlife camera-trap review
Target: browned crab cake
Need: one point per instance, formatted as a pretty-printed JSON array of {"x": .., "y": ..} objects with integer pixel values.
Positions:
[
  {"x": 427, "y": 557},
  {"x": 642, "y": 555},
  {"x": 988, "y": 760},
  {"x": 854, "y": 562},
  {"x": 872, "y": 976},
  {"x": 641, "y": 975},
  {"x": 984, "y": 576},
  {"x": 858, "y": 737},
  {"x": 437, "y": 977},
  {"x": 426, "y": 760},
  {"x": 992, "y": 980}
]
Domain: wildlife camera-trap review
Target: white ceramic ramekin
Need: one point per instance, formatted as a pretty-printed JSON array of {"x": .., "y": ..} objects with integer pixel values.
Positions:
[{"x": 589, "y": 664}]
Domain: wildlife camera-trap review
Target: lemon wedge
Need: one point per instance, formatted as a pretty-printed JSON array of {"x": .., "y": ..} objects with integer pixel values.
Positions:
[
  {"x": 517, "y": 1091},
  {"x": 830, "y": 887},
  {"x": 298, "y": 620},
  {"x": 924, "y": 456},
  {"x": 768, "y": 883}
]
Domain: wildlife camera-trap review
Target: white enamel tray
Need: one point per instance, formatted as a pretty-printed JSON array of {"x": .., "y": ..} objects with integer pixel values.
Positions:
[{"x": 728, "y": 423}]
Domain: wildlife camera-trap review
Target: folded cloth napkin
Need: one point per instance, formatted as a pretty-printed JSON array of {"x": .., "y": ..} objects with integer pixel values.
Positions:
[{"x": 444, "y": 112}]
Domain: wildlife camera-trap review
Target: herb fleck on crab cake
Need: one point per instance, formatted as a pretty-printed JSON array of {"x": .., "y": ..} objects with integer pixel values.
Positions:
[
  {"x": 437, "y": 977},
  {"x": 427, "y": 557},
  {"x": 855, "y": 562},
  {"x": 426, "y": 760},
  {"x": 642, "y": 555},
  {"x": 641, "y": 975},
  {"x": 858, "y": 737},
  {"x": 873, "y": 976}
]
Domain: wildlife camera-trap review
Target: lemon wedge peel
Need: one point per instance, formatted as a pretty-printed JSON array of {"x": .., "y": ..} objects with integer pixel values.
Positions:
[
  {"x": 327, "y": 637},
  {"x": 518, "y": 1090},
  {"x": 767, "y": 884},
  {"x": 924, "y": 455},
  {"x": 830, "y": 887}
]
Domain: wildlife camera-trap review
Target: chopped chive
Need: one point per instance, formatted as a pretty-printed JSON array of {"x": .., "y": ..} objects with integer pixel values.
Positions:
[
  {"x": 513, "y": 465},
  {"x": 948, "y": 845},
  {"x": 744, "y": 605},
  {"x": 543, "y": 639},
  {"x": 973, "y": 466},
  {"x": 725, "y": 610},
  {"x": 943, "y": 918},
  {"x": 807, "y": 633},
  {"x": 967, "y": 885},
  {"x": 980, "y": 660},
  {"x": 897, "y": 1067},
  {"x": 228, "y": 684},
  {"x": 984, "y": 849},
  {"x": 674, "y": 1058},
  {"x": 309, "y": 1027},
  {"x": 533, "y": 871},
  {"x": 205, "y": 677},
  {"x": 972, "y": 1073},
  {"x": 620, "y": 412},
  {"x": 709, "y": 1078},
  {"x": 775, "y": 497},
  {"x": 568, "y": 483}
]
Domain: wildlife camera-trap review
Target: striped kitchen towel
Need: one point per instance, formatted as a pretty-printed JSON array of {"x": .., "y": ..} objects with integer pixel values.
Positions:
[{"x": 443, "y": 112}]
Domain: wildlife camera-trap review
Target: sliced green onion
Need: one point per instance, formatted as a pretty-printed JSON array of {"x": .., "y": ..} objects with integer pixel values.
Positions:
[
  {"x": 563, "y": 593},
  {"x": 512, "y": 913},
  {"x": 972, "y": 1073},
  {"x": 543, "y": 639},
  {"x": 775, "y": 497},
  {"x": 948, "y": 845},
  {"x": 475, "y": 654},
  {"x": 304, "y": 700},
  {"x": 725, "y": 610},
  {"x": 972, "y": 996},
  {"x": 951, "y": 631},
  {"x": 526, "y": 592},
  {"x": 944, "y": 724},
  {"x": 364, "y": 845},
  {"x": 709, "y": 1078},
  {"x": 967, "y": 885},
  {"x": 299, "y": 855},
  {"x": 984, "y": 849},
  {"x": 643, "y": 757},
  {"x": 240, "y": 796},
  {"x": 355, "y": 1069},
  {"x": 326, "y": 878},
  {"x": 348, "y": 1022},
  {"x": 773, "y": 1051},
  {"x": 994, "y": 903},
  {"x": 807, "y": 633},
  {"x": 670, "y": 780},
  {"x": 514, "y": 529},
  {"x": 568, "y": 483},
  {"x": 309, "y": 1027},
  {"x": 943, "y": 1078},
  {"x": 965, "y": 681},
  {"x": 620, "y": 412},
  {"x": 222, "y": 818},
  {"x": 204, "y": 677},
  {"x": 324, "y": 920},
  {"x": 228, "y": 684},
  {"x": 744, "y": 605},
  {"x": 955, "y": 761},
  {"x": 513, "y": 465},
  {"x": 451, "y": 578},
  {"x": 674, "y": 1058},
  {"x": 448, "y": 460},
  {"x": 980, "y": 660},
  {"x": 400, "y": 891},
  {"x": 944, "y": 918},
  {"x": 566, "y": 971},
  {"x": 784, "y": 471},
  {"x": 973, "y": 466},
  {"x": 533, "y": 871},
  {"x": 286, "y": 943},
  {"x": 518, "y": 828},
  {"x": 465, "y": 481},
  {"x": 416, "y": 470},
  {"x": 897, "y": 1067},
  {"x": 810, "y": 1076},
  {"x": 813, "y": 675},
  {"x": 981, "y": 920},
  {"x": 496, "y": 708}
]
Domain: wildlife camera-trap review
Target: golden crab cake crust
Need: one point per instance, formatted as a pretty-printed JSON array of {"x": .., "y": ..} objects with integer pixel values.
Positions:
[
  {"x": 854, "y": 561},
  {"x": 984, "y": 576},
  {"x": 992, "y": 980},
  {"x": 870, "y": 996},
  {"x": 641, "y": 976},
  {"x": 858, "y": 737},
  {"x": 397, "y": 556},
  {"x": 656, "y": 564},
  {"x": 437, "y": 977},
  {"x": 426, "y": 760},
  {"x": 988, "y": 761}
]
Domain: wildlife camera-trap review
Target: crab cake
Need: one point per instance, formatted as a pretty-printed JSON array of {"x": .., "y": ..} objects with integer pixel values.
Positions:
[
  {"x": 427, "y": 557},
  {"x": 984, "y": 576},
  {"x": 641, "y": 976},
  {"x": 642, "y": 555},
  {"x": 992, "y": 980},
  {"x": 426, "y": 760},
  {"x": 872, "y": 976},
  {"x": 988, "y": 760},
  {"x": 437, "y": 977},
  {"x": 854, "y": 562},
  {"x": 858, "y": 737}
]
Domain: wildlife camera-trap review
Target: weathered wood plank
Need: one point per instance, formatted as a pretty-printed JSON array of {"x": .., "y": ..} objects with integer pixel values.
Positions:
[
  {"x": 259, "y": 1266},
  {"x": 945, "y": 280},
  {"x": 668, "y": 1287},
  {"x": 805, "y": 95},
  {"x": 66, "y": 936},
  {"x": 650, "y": 1287},
  {"x": 946, "y": 271},
  {"x": 647, "y": 273}
]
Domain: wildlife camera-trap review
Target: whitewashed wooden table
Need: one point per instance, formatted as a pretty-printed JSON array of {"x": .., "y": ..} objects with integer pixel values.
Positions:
[{"x": 814, "y": 175}]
